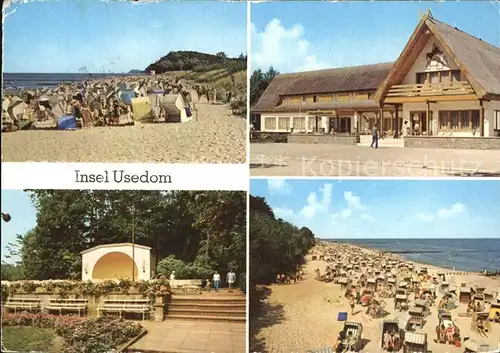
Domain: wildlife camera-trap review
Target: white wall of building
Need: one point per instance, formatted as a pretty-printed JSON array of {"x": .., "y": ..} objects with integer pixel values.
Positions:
[
  {"x": 310, "y": 123},
  {"x": 142, "y": 258},
  {"x": 420, "y": 63},
  {"x": 489, "y": 115}
]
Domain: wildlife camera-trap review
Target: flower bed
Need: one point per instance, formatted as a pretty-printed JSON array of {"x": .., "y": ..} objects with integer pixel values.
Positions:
[
  {"x": 81, "y": 335},
  {"x": 64, "y": 288}
]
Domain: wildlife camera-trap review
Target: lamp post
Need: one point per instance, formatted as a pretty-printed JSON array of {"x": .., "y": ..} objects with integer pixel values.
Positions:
[{"x": 133, "y": 244}]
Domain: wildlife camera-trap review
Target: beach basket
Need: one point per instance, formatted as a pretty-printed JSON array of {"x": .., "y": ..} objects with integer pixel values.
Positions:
[{"x": 66, "y": 122}]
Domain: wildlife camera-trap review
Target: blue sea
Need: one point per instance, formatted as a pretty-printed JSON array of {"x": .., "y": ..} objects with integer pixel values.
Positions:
[
  {"x": 473, "y": 255},
  {"x": 15, "y": 81}
]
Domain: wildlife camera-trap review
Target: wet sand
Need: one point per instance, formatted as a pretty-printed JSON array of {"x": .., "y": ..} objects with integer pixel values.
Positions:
[
  {"x": 303, "y": 316},
  {"x": 217, "y": 137}
]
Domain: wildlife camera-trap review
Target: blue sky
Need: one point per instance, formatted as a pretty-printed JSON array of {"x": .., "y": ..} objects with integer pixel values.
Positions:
[
  {"x": 298, "y": 36},
  {"x": 116, "y": 36},
  {"x": 385, "y": 208},
  {"x": 18, "y": 204}
]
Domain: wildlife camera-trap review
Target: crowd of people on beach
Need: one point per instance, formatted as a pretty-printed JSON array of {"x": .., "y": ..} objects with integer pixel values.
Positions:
[
  {"x": 95, "y": 102},
  {"x": 369, "y": 278}
]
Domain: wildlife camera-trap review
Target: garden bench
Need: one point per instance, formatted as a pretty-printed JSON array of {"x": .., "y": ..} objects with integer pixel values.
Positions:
[
  {"x": 71, "y": 305},
  {"x": 125, "y": 306},
  {"x": 20, "y": 303}
]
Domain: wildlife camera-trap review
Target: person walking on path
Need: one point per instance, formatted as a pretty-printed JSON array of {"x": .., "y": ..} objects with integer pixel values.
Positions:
[
  {"x": 231, "y": 279},
  {"x": 216, "y": 280},
  {"x": 374, "y": 136}
]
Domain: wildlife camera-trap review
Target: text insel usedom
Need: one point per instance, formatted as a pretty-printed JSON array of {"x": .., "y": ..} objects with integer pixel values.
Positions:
[{"x": 120, "y": 176}]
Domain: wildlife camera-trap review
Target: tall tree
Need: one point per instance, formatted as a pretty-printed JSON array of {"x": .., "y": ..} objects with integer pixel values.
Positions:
[
  {"x": 276, "y": 246},
  {"x": 189, "y": 225},
  {"x": 259, "y": 82}
]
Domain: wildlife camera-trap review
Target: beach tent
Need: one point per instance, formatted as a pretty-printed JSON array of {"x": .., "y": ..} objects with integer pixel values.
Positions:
[
  {"x": 141, "y": 109},
  {"x": 155, "y": 100},
  {"x": 175, "y": 108},
  {"x": 66, "y": 122},
  {"x": 465, "y": 295},
  {"x": 126, "y": 95}
]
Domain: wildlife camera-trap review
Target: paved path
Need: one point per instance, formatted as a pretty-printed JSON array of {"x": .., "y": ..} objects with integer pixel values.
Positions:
[
  {"x": 179, "y": 336},
  {"x": 287, "y": 159}
]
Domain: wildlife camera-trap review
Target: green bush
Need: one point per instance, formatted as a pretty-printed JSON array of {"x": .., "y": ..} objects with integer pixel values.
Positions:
[
  {"x": 81, "y": 335},
  {"x": 182, "y": 269}
]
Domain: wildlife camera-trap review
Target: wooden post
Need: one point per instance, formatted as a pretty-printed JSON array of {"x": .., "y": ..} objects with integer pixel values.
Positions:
[
  {"x": 356, "y": 121},
  {"x": 381, "y": 127},
  {"x": 427, "y": 116},
  {"x": 396, "y": 121},
  {"x": 481, "y": 118}
]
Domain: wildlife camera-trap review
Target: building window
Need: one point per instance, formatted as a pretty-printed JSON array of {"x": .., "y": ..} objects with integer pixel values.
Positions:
[
  {"x": 303, "y": 99},
  {"x": 311, "y": 123},
  {"x": 299, "y": 123},
  {"x": 270, "y": 123},
  {"x": 315, "y": 99},
  {"x": 464, "y": 119},
  {"x": 443, "y": 120},
  {"x": 475, "y": 121},
  {"x": 283, "y": 123},
  {"x": 496, "y": 122},
  {"x": 456, "y": 76},
  {"x": 458, "y": 119},
  {"x": 434, "y": 77},
  {"x": 421, "y": 78},
  {"x": 438, "y": 77},
  {"x": 454, "y": 120}
]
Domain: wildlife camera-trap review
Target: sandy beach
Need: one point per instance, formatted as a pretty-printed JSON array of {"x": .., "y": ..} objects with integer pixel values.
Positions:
[
  {"x": 303, "y": 316},
  {"x": 217, "y": 137}
]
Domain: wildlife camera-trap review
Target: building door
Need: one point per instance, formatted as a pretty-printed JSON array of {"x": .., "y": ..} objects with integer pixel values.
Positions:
[
  {"x": 418, "y": 122},
  {"x": 340, "y": 124},
  {"x": 345, "y": 125}
]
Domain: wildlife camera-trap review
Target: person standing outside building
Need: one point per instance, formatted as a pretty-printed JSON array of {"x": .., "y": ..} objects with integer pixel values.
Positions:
[
  {"x": 374, "y": 136},
  {"x": 231, "y": 279},
  {"x": 216, "y": 280}
]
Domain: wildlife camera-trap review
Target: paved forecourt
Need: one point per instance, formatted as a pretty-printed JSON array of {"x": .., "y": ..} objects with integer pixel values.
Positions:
[{"x": 285, "y": 159}]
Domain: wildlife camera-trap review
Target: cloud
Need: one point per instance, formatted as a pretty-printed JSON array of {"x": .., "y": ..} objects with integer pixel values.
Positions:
[
  {"x": 286, "y": 49},
  {"x": 353, "y": 204},
  {"x": 315, "y": 205},
  {"x": 278, "y": 186},
  {"x": 442, "y": 213},
  {"x": 284, "y": 213},
  {"x": 367, "y": 217}
]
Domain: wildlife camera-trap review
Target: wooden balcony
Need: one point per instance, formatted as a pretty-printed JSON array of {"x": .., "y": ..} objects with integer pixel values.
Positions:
[{"x": 460, "y": 88}]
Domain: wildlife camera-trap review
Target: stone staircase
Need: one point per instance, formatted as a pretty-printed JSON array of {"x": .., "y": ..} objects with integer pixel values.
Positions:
[{"x": 222, "y": 306}]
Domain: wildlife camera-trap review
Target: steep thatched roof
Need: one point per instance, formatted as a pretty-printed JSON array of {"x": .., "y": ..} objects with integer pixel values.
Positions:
[
  {"x": 477, "y": 60},
  {"x": 354, "y": 104},
  {"x": 345, "y": 79},
  {"x": 480, "y": 59}
]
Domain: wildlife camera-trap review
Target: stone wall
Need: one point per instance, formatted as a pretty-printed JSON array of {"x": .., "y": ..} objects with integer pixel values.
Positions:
[
  {"x": 475, "y": 143},
  {"x": 324, "y": 139},
  {"x": 185, "y": 286}
]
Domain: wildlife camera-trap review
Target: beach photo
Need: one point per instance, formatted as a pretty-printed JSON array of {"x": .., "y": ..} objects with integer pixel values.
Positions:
[
  {"x": 123, "y": 271},
  {"x": 124, "y": 81},
  {"x": 375, "y": 89},
  {"x": 364, "y": 266}
]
